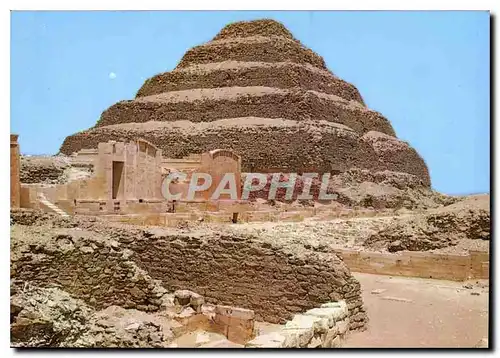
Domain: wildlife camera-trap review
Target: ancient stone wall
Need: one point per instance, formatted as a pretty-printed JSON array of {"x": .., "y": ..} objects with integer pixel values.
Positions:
[
  {"x": 322, "y": 327},
  {"x": 247, "y": 273},
  {"x": 398, "y": 155},
  {"x": 295, "y": 148},
  {"x": 218, "y": 163},
  {"x": 266, "y": 49},
  {"x": 207, "y": 104},
  {"x": 90, "y": 268},
  {"x": 251, "y": 70},
  {"x": 474, "y": 265},
  {"x": 244, "y": 74},
  {"x": 130, "y": 170}
]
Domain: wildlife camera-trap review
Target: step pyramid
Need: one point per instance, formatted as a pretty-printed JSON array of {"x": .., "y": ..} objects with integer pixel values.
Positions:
[{"x": 257, "y": 90}]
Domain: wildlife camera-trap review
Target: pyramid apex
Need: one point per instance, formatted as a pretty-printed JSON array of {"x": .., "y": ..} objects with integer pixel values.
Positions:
[{"x": 261, "y": 27}]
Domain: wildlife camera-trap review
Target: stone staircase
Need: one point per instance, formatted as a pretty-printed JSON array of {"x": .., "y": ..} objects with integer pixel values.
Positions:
[{"x": 43, "y": 200}]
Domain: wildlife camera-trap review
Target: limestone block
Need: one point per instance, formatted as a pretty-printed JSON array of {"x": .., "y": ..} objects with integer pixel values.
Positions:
[
  {"x": 300, "y": 321},
  {"x": 220, "y": 324},
  {"x": 271, "y": 340},
  {"x": 297, "y": 338},
  {"x": 240, "y": 330},
  {"x": 340, "y": 304},
  {"x": 332, "y": 314},
  {"x": 196, "y": 301},
  {"x": 237, "y": 324},
  {"x": 182, "y": 297},
  {"x": 236, "y": 312}
]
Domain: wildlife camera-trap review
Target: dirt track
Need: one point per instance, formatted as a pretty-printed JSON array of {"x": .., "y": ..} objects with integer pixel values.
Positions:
[{"x": 414, "y": 312}]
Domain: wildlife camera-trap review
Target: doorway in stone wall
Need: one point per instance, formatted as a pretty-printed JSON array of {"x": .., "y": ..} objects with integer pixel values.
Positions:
[{"x": 118, "y": 179}]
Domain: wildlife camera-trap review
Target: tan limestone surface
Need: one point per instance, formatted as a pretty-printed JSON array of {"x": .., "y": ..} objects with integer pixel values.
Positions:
[{"x": 422, "y": 313}]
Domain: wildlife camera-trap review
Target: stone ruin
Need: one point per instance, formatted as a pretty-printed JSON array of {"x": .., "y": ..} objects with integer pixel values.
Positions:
[
  {"x": 127, "y": 179},
  {"x": 127, "y": 279},
  {"x": 256, "y": 90},
  {"x": 253, "y": 99},
  {"x": 15, "y": 181}
]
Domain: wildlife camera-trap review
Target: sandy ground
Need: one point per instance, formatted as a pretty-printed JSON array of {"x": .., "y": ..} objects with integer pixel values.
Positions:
[{"x": 414, "y": 312}]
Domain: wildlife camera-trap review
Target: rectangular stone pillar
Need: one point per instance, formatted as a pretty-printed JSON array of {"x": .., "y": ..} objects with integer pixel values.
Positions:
[
  {"x": 237, "y": 324},
  {"x": 15, "y": 165}
]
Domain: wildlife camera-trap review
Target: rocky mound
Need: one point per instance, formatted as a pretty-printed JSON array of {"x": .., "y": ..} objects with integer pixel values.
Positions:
[
  {"x": 50, "y": 170},
  {"x": 40, "y": 169},
  {"x": 363, "y": 188},
  {"x": 455, "y": 229},
  {"x": 251, "y": 70},
  {"x": 50, "y": 317},
  {"x": 466, "y": 222}
]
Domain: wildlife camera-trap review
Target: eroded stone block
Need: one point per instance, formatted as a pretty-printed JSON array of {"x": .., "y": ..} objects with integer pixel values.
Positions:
[
  {"x": 237, "y": 312},
  {"x": 332, "y": 314},
  {"x": 339, "y": 304},
  {"x": 300, "y": 321},
  {"x": 295, "y": 338},
  {"x": 237, "y": 324}
]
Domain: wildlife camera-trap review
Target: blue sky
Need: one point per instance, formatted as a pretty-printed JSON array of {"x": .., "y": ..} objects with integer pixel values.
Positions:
[{"x": 427, "y": 72}]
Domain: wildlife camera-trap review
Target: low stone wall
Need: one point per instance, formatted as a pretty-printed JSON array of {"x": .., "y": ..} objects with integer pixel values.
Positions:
[
  {"x": 94, "y": 270},
  {"x": 324, "y": 327},
  {"x": 244, "y": 272},
  {"x": 173, "y": 219},
  {"x": 106, "y": 264},
  {"x": 475, "y": 265}
]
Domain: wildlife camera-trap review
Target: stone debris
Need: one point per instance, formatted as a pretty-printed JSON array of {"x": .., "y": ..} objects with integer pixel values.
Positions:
[
  {"x": 323, "y": 327},
  {"x": 49, "y": 317}
]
